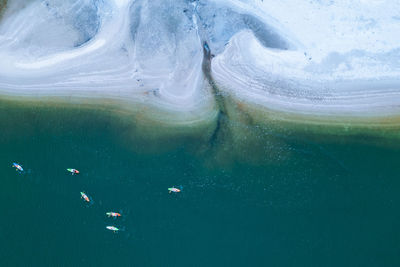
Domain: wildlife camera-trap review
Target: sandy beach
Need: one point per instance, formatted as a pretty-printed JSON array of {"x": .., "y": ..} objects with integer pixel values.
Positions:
[
  {"x": 130, "y": 53},
  {"x": 254, "y": 74}
]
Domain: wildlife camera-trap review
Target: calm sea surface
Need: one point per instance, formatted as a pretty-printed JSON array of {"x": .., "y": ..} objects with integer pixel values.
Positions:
[{"x": 275, "y": 199}]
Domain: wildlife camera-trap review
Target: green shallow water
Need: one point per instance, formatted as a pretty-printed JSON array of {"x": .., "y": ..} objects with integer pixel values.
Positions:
[{"x": 253, "y": 197}]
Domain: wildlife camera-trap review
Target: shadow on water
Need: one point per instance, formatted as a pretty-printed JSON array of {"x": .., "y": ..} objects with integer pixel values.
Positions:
[{"x": 261, "y": 194}]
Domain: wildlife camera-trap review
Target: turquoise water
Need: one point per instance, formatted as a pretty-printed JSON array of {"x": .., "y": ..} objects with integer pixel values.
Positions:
[{"x": 272, "y": 198}]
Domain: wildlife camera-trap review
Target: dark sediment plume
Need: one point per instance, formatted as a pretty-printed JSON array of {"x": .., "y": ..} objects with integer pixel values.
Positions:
[
  {"x": 215, "y": 91},
  {"x": 226, "y": 106}
]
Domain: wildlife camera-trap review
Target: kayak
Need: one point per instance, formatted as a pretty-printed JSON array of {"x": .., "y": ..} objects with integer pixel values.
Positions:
[
  {"x": 73, "y": 171},
  {"x": 112, "y": 228},
  {"x": 85, "y": 197},
  {"x": 113, "y": 214},
  {"x": 18, "y": 167},
  {"x": 173, "y": 189}
]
